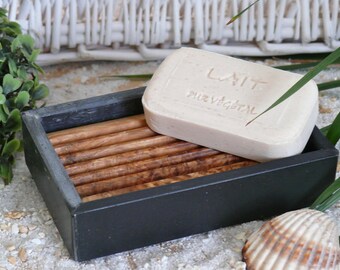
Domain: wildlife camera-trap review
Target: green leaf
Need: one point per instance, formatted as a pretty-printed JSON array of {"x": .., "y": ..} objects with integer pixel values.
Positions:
[
  {"x": 3, "y": 114},
  {"x": 25, "y": 43},
  {"x": 14, "y": 121},
  {"x": 130, "y": 76},
  {"x": 3, "y": 12},
  {"x": 1, "y": 90},
  {"x": 305, "y": 79},
  {"x": 297, "y": 66},
  {"x": 6, "y": 172},
  {"x": 22, "y": 99},
  {"x": 21, "y": 147},
  {"x": 11, "y": 147},
  {"x": 325, "y": 129},
  {"x": 40, "y": 92},
  {"x": 2, "y": 99},
  {"x": 328, "y": 85},
  {"x": 5, "y": 108},
  {"x": 333, "y": 133},
  {"x": 328, "y": 197},
  {"x": 27, "y": 86},
  {"x": 37, "y": 67},
  {"x": 10, "y": 84},
  {"x": 34, "y": 56},
  {"x": 22, "y": 73},
  {"x": 12, "y": 66},
  {"x": 239, "y": 14}
]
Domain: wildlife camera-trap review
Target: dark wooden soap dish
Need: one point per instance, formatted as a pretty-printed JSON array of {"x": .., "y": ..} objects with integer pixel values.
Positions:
[{"x": 86, "y": 157}]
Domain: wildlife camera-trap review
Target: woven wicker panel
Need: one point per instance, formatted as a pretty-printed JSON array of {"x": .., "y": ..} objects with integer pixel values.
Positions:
[{"x": 133, "y": 30}]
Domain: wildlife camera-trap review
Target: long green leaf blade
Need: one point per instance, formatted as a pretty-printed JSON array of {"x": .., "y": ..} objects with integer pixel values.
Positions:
[
  {"x": 325, "y": 129},
  {"x": 333, "y": 133},
  {"x": 328, "y": 197},
  {"x": 234, "y": 18},
  {"x": 297, "y": 66},
  {"x": 328, "y": 85},
  {"x": 305, "y": 79},
  {"x": 130, "y": 76}
]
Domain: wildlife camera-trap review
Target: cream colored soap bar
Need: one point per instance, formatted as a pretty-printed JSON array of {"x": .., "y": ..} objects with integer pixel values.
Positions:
[{"x": 207, "y": 98}]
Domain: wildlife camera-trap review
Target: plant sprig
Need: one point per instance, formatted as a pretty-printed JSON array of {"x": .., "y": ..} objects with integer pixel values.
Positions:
[
  {"x": 305, "y": 79},
  {"x": 146, "y": 76},
  {"x": 329, "y": 197},
  {"x": 19, "y": 89},
  {"x": 234, "y": 18}
]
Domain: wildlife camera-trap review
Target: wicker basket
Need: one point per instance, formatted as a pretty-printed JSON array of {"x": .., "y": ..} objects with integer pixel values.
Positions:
[{"x": 70, "y": 30}]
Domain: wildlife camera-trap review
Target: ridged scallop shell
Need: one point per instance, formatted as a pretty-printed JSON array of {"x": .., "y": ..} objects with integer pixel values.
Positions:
[{"x": 302, "y": 239}]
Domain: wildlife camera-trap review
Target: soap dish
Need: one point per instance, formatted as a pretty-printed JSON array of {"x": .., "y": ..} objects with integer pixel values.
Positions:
[{"x": 144, "y": 217}]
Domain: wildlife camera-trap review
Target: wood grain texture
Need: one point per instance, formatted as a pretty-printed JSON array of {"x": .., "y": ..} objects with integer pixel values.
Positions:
[
  {"x": 104, "y": 140},
  {"x": 98, "y": 129},
  {"x": 156, "y": 174},
  {"x": 131, "y": 156},
  {"x": 124, "y": 155},
  {"x": 168, "y": 181},
  {"x": 143, "y": 165},
  {"x": 115, "y": 149}
]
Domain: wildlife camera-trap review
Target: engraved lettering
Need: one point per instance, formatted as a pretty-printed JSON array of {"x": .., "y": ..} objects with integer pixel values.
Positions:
[
  {"x": 222, "y": 102},
  {"x": 237, "y": 79},
  {"x": 256, "y": 83}
]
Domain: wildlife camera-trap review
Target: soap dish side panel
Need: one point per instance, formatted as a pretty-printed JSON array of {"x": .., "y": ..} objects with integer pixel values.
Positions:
[{"x": 155, "y": 215}]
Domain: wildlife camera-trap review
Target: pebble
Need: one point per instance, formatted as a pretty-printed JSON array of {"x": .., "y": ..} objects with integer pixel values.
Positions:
[
  {"x": 11, "y": 248},
  {"x": 241, "y": 236},
  {"x": 3, "y": 227},
  {"x": 14, "y": 214},
  {"x": 23, "y": 229},
  {"x": 32, "y": 227},
  {"x": 36, "y": 241},
  {"x": 22, "y": 254},
  {"x": 41, "y": 235},
  {"x": 240, "y": 266},
  {"x": 11, "y": 260},
  {"x": 49, "y": 222},
  {"x": 15, "y": 228}
]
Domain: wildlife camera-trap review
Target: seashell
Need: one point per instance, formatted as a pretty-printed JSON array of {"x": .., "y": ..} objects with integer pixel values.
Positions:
[{"x": 301, "y": 239}]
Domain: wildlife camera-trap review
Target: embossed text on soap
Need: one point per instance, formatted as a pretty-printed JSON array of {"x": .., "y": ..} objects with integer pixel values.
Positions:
[
  {"x": 237, "y": 79},
  {"x": 222, "y": 102}
]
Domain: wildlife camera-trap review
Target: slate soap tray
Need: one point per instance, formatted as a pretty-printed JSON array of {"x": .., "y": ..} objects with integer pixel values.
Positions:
[{"x": 150, "y": 216}]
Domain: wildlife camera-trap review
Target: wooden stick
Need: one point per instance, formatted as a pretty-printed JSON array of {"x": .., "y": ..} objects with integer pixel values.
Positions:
[
  {"x": 109, "y": 139},
  {"x": 168, "y": 181},
  {"x": 157, "y": 174},
  {"x": 115, "y": 149},
  {"x": 143, "y": 165},
  {"x": 98, "y": 129},
  {"x": 132, "y": 156}
]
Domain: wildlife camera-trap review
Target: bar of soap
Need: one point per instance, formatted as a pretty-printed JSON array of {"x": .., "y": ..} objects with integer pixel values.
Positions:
[{"x": 207, "y": 99}]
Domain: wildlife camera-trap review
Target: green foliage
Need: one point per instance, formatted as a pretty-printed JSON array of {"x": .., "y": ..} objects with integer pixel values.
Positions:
[
  {"x": 328, "y": 198},
  {"x": 334, "y": 56},
  {"x": 19, "y": 89},
  {"x": 333, "y": 132},
  {"x": 234, "y": 18}
]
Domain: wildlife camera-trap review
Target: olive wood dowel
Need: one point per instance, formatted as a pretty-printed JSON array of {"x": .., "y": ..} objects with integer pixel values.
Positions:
[
  {"x": 98, "y": 129},
  {"x": 157, "y": 174},
  {"x": 115, "y": 149},
  {"x": 168, "y": 181},
  {"x": 132, "y": 156},
  {"x": 91, "y": 143},
  {"x": 143, "y": 165}
]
